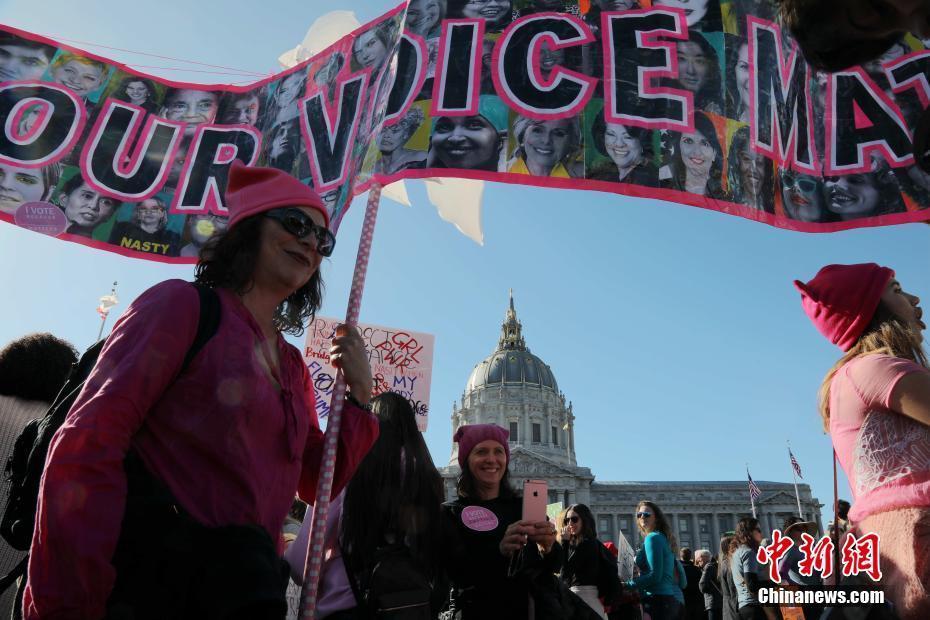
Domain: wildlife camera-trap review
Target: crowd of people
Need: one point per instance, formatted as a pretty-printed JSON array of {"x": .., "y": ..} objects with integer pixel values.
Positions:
[{"x": 166, "y": 491}]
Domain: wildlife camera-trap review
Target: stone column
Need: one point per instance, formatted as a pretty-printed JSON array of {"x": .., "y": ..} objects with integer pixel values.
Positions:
[
  {"x": 675, "y": 530},
  {"x": 715, "y": 533}
]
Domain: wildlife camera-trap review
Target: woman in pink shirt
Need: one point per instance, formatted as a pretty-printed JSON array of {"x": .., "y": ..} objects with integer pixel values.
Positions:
[
  {"x": 875, "y": 404},
  {"x": 166, "y": 488}
]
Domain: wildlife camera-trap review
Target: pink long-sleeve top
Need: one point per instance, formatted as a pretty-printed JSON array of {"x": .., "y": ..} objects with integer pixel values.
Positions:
[{"x": 228, "y": 442}]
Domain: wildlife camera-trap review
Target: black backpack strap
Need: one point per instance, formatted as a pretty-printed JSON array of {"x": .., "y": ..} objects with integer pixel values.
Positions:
[
  {"x": 207, "y": 324},
  {"x": 10, "y": 578}
]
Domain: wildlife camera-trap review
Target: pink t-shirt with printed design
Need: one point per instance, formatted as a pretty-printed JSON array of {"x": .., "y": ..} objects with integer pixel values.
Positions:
[{"x": 885, "y": 454}]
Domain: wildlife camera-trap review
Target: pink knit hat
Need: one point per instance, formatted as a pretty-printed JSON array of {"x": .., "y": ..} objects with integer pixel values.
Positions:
[
  {"x": 251, "y": 190},
  {"x": 471, "y": 435},
  {"x": 841, "y": 300}
]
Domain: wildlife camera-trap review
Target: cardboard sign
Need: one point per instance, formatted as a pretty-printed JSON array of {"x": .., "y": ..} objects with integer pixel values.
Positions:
[{"x": 401, "y": 361}]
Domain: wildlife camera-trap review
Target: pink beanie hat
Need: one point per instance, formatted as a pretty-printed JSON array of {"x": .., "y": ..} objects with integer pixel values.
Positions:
[
  {"x": 471, "y": 435},
  {"x": 841, "y": 300},
  {"x": 251, "y": 190}
]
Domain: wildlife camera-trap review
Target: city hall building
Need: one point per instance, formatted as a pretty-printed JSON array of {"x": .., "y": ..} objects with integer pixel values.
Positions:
[{"x": 516, "y": 390}]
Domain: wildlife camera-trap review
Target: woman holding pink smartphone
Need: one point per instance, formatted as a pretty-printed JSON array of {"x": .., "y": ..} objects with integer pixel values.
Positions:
[{"x": 493, "y": 556}]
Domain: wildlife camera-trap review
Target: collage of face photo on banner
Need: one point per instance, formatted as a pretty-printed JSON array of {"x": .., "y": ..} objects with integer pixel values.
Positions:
[
  {"x": 714, "y": 159},
  {"x": 713, "y": 108}
]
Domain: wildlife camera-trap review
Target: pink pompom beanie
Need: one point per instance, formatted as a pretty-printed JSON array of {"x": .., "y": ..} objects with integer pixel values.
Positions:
[
  {"x": 841, "y": 300},
  {"x": 471, "y": 435},
  {"x": 251, "y": 190}
]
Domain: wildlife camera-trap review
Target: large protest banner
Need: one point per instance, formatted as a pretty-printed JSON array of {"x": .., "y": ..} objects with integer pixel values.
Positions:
[
  {"x": 401, "y": 361},
  {"x": 701, "y": 102}
]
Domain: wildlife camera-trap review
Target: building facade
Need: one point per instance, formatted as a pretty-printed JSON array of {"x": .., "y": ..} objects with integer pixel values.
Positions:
[{"x": 517, "y": 390}]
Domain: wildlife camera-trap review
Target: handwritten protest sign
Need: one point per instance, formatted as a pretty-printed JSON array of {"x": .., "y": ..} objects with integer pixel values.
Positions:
[{"x": 401, "y": 361}]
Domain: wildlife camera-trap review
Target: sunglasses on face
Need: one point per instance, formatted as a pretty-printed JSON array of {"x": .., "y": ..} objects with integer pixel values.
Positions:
[
  {"x": 300, "y": 225},
  {"x": 573, "y": 519},
  {"x": 808, "y": 186},
  {"x": 643, "y": 515}
]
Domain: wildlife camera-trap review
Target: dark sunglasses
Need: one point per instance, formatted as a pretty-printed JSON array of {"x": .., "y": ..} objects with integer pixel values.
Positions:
[
  {"x": 568, "y": 520},
  {"x": 300, "y": 225},
  {"x": 643, "y": 515}
]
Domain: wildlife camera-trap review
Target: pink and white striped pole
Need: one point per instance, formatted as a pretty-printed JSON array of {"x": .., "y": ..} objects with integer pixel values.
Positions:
[{"x": 314, "y": 560}]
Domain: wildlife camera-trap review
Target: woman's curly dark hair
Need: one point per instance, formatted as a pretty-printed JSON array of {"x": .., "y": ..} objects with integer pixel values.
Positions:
[
  {"x": 228, "y": 261},
  {"x": 35, "y": 367}
]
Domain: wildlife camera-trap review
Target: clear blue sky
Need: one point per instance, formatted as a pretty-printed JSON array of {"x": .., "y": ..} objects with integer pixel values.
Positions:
[{"x": 674, "y": 331}]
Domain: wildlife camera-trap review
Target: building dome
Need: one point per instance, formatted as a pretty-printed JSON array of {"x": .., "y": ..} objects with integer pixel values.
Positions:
[
  {"x": 516, "y": 390},
  {"x": 512, "y": 367},
  {"x": 512, "y": 363}
]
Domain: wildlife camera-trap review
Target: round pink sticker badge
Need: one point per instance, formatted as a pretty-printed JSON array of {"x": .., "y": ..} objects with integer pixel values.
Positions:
[
  {"x": 479, "y": 519},
  {"x": 41, "y": 217}
]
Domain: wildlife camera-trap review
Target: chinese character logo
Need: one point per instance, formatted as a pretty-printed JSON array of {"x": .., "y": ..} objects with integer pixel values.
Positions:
[{"x": 770, "y": 554}]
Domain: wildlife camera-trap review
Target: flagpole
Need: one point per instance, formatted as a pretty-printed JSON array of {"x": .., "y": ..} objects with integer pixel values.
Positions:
[
  {"x": 104, "y": 315},
  {"x": 103, "y": 321},
  {"x": 313, "y": 562},
  {"x": 752, "y": 501},
  {"x": 794, "y": 474}
]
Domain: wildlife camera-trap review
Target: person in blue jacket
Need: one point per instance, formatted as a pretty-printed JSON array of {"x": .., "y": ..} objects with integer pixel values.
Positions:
[{"x": 661, "y": 577}]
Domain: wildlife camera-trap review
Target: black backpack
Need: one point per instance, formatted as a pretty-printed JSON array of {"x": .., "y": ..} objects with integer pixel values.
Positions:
[
  {"x": 25, "y": 467},
  {"x": 396, "y": 587}
]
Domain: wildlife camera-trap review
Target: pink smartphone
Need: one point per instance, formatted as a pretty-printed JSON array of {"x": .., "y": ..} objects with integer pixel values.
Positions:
[{"x": 535, "y": 498}]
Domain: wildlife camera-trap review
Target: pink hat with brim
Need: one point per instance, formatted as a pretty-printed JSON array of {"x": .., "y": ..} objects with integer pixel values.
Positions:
[
  {"x": 471, "y": 435},
  {"x": 252, "y": 190},
  {"x": 841, "y": 300}
]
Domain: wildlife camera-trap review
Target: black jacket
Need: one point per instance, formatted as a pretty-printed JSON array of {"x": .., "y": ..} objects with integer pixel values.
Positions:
[
  {"x": 694, "y": 602},
  {"x": 710, "y": 587}
]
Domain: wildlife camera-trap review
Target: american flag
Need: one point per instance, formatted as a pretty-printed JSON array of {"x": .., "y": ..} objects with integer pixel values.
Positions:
[
  {"x": 794, "y": 463},
  {"x": 754, "y": 491},
  {"x": 107, "y": 302}
]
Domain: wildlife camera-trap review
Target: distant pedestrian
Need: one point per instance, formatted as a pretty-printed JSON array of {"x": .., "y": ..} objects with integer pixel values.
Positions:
[
  {"x": 708, "y": 584},
  {"x": 659, "y": 581},
  {"x": 730, "y": 604},
  {"x": 694, "y": 600},
  {"x": 745, "y": 570},
  {"x": 582, "y": 556}
]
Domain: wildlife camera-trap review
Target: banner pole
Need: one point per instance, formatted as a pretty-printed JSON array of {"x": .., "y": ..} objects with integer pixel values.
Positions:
[
  {"x": 836, "y": 524},
  {"x": 313, "y": 562}
]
